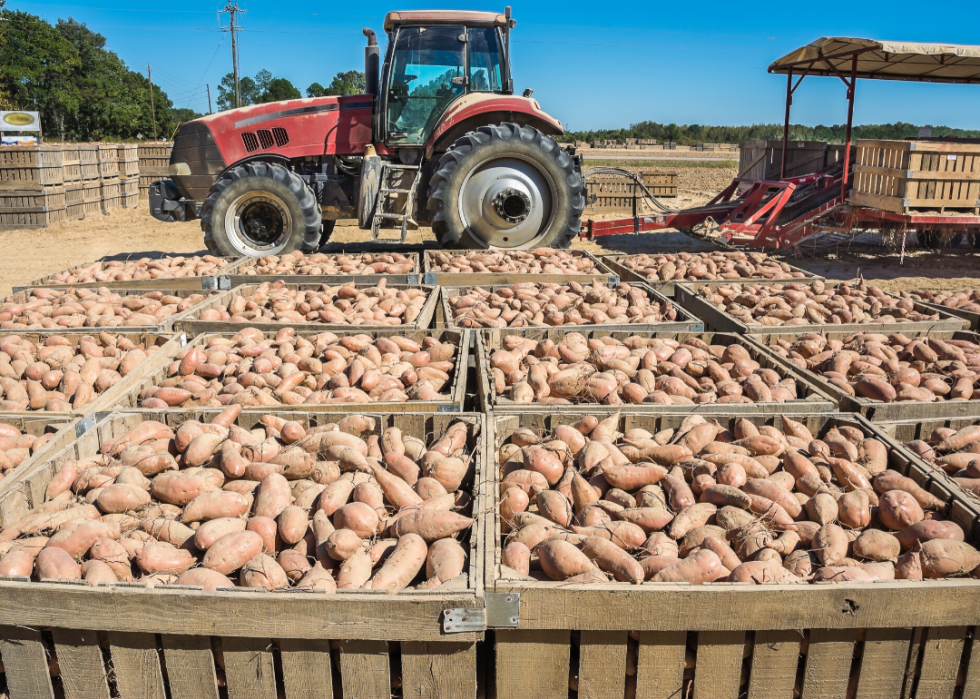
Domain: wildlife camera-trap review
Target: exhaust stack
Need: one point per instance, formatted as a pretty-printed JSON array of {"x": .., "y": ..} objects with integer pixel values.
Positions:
[{"x": 372, "y": 58}]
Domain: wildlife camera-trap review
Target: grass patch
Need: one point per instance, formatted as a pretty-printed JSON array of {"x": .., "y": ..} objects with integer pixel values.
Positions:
[{"x": 666, "y": 164}]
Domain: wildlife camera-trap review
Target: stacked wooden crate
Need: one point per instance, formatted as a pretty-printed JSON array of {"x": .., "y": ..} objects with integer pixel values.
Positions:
[
  {"x": 88, "y": 156},
  {"x": 109, "y": 176},
  {"x": 71, "y": 165},
  {"x": 129, "y": 174},
  {"x": 154, "y": 163},
  {"x": 32, "y": 191}
]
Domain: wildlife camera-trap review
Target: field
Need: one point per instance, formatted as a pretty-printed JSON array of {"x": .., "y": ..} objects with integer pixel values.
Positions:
[{"x": 28, "y": 254}]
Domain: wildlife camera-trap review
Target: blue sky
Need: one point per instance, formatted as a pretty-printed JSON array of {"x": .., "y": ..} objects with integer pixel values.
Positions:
[{"x": 593, "y": 65}]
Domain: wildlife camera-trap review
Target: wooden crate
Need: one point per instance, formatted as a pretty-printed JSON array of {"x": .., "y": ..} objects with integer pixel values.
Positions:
[
  {"x": 129, "y": 201},
  {"x": 432, "y": 275},
  {"x": 811, "y": 398},
  {"x": 165, "y": 326},
  {"x": 70, "y": 154},
  {"x": 241, "y": 276},
  {"x": 91, "y": 208},
  {"x": 209, "y": 283},
  {"x": 251, "y": 644},
  {"x": 75, "y": 212},
  {"x": 88, "y": 153},
  {"x": 89, "y": 171},
  {"x": 908, "y": 176},
  {"x": 896, "y": 639},
  {"x": 30, "y": 167},
  {"x": 617, "y": 263},
  {"x": 111, "y": 203},
  {"x": 71, "y": 172},
  {"x": 191, "y": 324},
  {"x": 874, "y": 410},
  {"x": 147, "y": 179},
  {"x": 452, "y": 398},
  {"x": 14, "y": 217},
  {"x": 144, "y": 192},
  {"x": 109, "y": 187},
  {"x": 92, "y": 190},
  {"x": 971, "y": 317},
  {"x": 762, "y": 160},
  {"x": 154, "y": 165},
  {"x": 129, "y": 168},
  {"x": 63, "y": 427},
  {"x": 129, "y": 186},
  {"x": 615, "y": 192},
  {"x": 685, "y": 322},
  {"x": 51, "y": 198},
  {"x": 127, "y": 152},
  {"x": 74, "y": 193},
  {"x": 719, "y": 320},
  {"x": 145, "y": 151}
]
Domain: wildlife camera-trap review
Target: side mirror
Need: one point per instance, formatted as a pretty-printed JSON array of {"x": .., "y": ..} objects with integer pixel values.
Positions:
[
  {"x": 461, "y": 81},
  {"x": 528, "y": 92}
]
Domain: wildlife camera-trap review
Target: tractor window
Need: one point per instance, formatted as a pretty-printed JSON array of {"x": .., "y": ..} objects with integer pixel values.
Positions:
[
  {"x": 424, "y": 63},
  {"x": 485, "y": 60}
]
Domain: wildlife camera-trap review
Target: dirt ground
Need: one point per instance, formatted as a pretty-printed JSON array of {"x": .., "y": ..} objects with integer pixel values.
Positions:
[{"x": 26, "y": 255}]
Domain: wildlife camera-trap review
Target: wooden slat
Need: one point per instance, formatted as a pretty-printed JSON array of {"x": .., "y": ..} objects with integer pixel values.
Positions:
[
  {"x": 82, "y": 667},
  {"x": 136, "y": 664},
  {"x": 718, "y": 667},
  {"x": 775, "y": 660},
  {"x": 547, "y": 652},
  {"x": 25, "y": 661},
  {"x": 602, "y": 664},
  {"x": 434, "y": 670},
  {"x": 886, "y": 655},
  {"x": 660, "y": 664},
  {"x": 828, "y": 663},
  {"x": 941, "y": 654},
  {"x": 249, "y": 669},
  {"x": 364, "y": 669},
  {"x": 306, "y": 668},
  {"x": 971, "y": 685},
  {"x": 190, "y": 667}
]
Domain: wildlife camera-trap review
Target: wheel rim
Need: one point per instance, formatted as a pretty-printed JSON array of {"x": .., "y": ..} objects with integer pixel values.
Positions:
[
  {"x": 507, "y": 202},
  {"x": 258, "y": 222}
]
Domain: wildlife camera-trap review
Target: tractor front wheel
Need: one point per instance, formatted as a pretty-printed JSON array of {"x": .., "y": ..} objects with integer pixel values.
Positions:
[
  {"x": 506, "y": 187},
  {"x": 260, "y": 208}
]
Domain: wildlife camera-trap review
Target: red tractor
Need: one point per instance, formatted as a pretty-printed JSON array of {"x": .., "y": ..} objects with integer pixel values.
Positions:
[{"x": 439, "y": 138}]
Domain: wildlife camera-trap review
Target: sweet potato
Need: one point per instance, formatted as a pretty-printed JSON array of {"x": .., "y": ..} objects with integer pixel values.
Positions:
[
  {"x": 698, "y": 568},
  {"x": 561, "y": 560},
  {"x": 898, "y": 509},
  {"x": 946, "y": 558},
  {"x": 232, "y": 551},
  {"x": 209, "y": 580},
  {"x": 263, "y": 571},
  {"x": 402, "y": 565},
  {"x": 612, "y": 559}
]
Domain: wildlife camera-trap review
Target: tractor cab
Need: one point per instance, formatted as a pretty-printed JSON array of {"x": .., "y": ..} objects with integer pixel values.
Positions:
[{"x": 435, "y": 58}]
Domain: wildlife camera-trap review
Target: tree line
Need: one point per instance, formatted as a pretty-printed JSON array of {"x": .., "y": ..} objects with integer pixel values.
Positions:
[
  {"x": 266, "y": 88},
  {"x": 691, "y": 134}
]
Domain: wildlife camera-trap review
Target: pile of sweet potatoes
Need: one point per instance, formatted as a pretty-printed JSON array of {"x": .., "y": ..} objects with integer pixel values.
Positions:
[
  {"x": 965, "y": 300},
  {"x": 346, "y": 304},
  {"x": 91, "y": 308},
  {"x": 811, "y": 304},
  {"x": 334, "y": 507},
  {"x": 548, "y": 305},
  {"x": 58, "y": 374},
  {"x": 16, "y": 447},
  {"x": 143, "y": 268},
  {"x": 251, "y": 369},
  {"x": 539, "y": 261},
  {"x": 955, "y": 451},
  {"x": 709, "y": 266},
  {"x": 635, "y": 370},
  {"x": 323, "y": 264},
  {"x": 890, "y": 368},
  {"x": 702, "y": 504}
]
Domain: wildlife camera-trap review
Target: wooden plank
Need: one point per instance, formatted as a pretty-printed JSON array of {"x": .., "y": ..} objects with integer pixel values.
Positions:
[
  {"x": 436, "y": 670},
  {"x": 82, "y": 666},
  {"x": 941, "y": 654},
  {"x": 306, "y": 668},
  {"x": 364, "y": 669},
  {"x": 547, "y": 652},
  {"x": 602, "y": 664},
  {"x": 25, "y": 661},
  {"x": 718, "y": 667},
  {"x": 660, "y": 664},
  {"x": 971, "y": 685},
  {"x": 775, "y": 659},
  {"x": 190, "y": 667},
  {"x": 886, "y": 655},
  {"x": 136, "y": 665},
  {"x": 249, "y": 670},
  {"x": 828, "y": 663}
]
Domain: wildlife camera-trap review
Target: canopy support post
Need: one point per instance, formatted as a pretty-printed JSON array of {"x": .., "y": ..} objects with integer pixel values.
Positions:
[
  {"x": 789, "y": 101},
  {"x": 850, "y": 120}
]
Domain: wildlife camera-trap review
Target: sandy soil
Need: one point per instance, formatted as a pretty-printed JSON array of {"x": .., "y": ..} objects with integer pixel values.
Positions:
[{"x": 26, "y": 255}]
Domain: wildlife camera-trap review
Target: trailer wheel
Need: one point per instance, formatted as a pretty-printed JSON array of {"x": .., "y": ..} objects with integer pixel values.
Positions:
[
  {"x": 260, "y": 208},
  {"x": 975, "y": 239},
  {"x": 933, "y": 240},
  {"x": 506, "y": 187}
]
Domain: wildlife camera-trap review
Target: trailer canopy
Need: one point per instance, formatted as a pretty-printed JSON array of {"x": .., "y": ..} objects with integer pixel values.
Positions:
[{"x": 883, "y": 60}]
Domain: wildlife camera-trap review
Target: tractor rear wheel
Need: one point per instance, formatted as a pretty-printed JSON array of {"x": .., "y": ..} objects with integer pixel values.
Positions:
[
  {"x": 933, "y": 240},
  {"x": 506, "y": 187},
  {"x": 260, "y": 208}
]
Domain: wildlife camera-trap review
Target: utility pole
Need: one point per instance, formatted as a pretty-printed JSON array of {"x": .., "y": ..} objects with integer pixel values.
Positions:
[
  {"x": 153, "y": 114},
  {"x": 208, "y": 86},
  {"x": 231, "y": 9}
]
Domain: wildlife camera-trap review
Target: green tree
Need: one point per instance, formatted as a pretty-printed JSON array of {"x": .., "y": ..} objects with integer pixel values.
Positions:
[
  {"x": 226, "y": 91},
  {"x": 278, "y": 89},
  {"x": 182, "y": 114},
  {"x": 262, "y": 80},
  {"x": 316, "y": 90},
  {"x": 350, "y": 82}
]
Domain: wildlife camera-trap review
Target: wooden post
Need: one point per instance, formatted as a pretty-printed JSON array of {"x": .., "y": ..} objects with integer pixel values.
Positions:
[
  {"x": 850, "y": 120},
  {"x": 789, "y": 101}
]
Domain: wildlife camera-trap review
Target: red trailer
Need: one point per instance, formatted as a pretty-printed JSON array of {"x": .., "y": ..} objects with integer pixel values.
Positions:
[{"x": 784, "y": 213}]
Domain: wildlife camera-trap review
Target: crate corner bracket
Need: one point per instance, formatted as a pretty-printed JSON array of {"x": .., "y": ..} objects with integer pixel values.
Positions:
[{"x": 503, "y": 609}]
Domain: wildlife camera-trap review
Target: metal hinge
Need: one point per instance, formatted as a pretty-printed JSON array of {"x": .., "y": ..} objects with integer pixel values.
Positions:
[
  {"x": 464, "y": 620},
  {"x": 84, "y": 425}
]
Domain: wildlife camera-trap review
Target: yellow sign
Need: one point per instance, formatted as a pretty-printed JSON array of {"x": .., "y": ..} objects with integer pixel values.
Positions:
[{"x": 19, "y": 121}]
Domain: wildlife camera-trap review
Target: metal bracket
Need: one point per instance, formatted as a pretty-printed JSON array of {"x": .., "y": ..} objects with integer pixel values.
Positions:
[
  {"x": 464, "y": 620},
  {"x": 503, "y": 610},
  {"x": 84, "y": 425},
  {"x": 209, "y": 283},
  {"x": 224, "y": 283},
  {"x": 430, "y": 278},
  {"x": 413, "y": 280},
  {"x": 450, "y": 408},
  {"x": 183, "y": 339}
]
